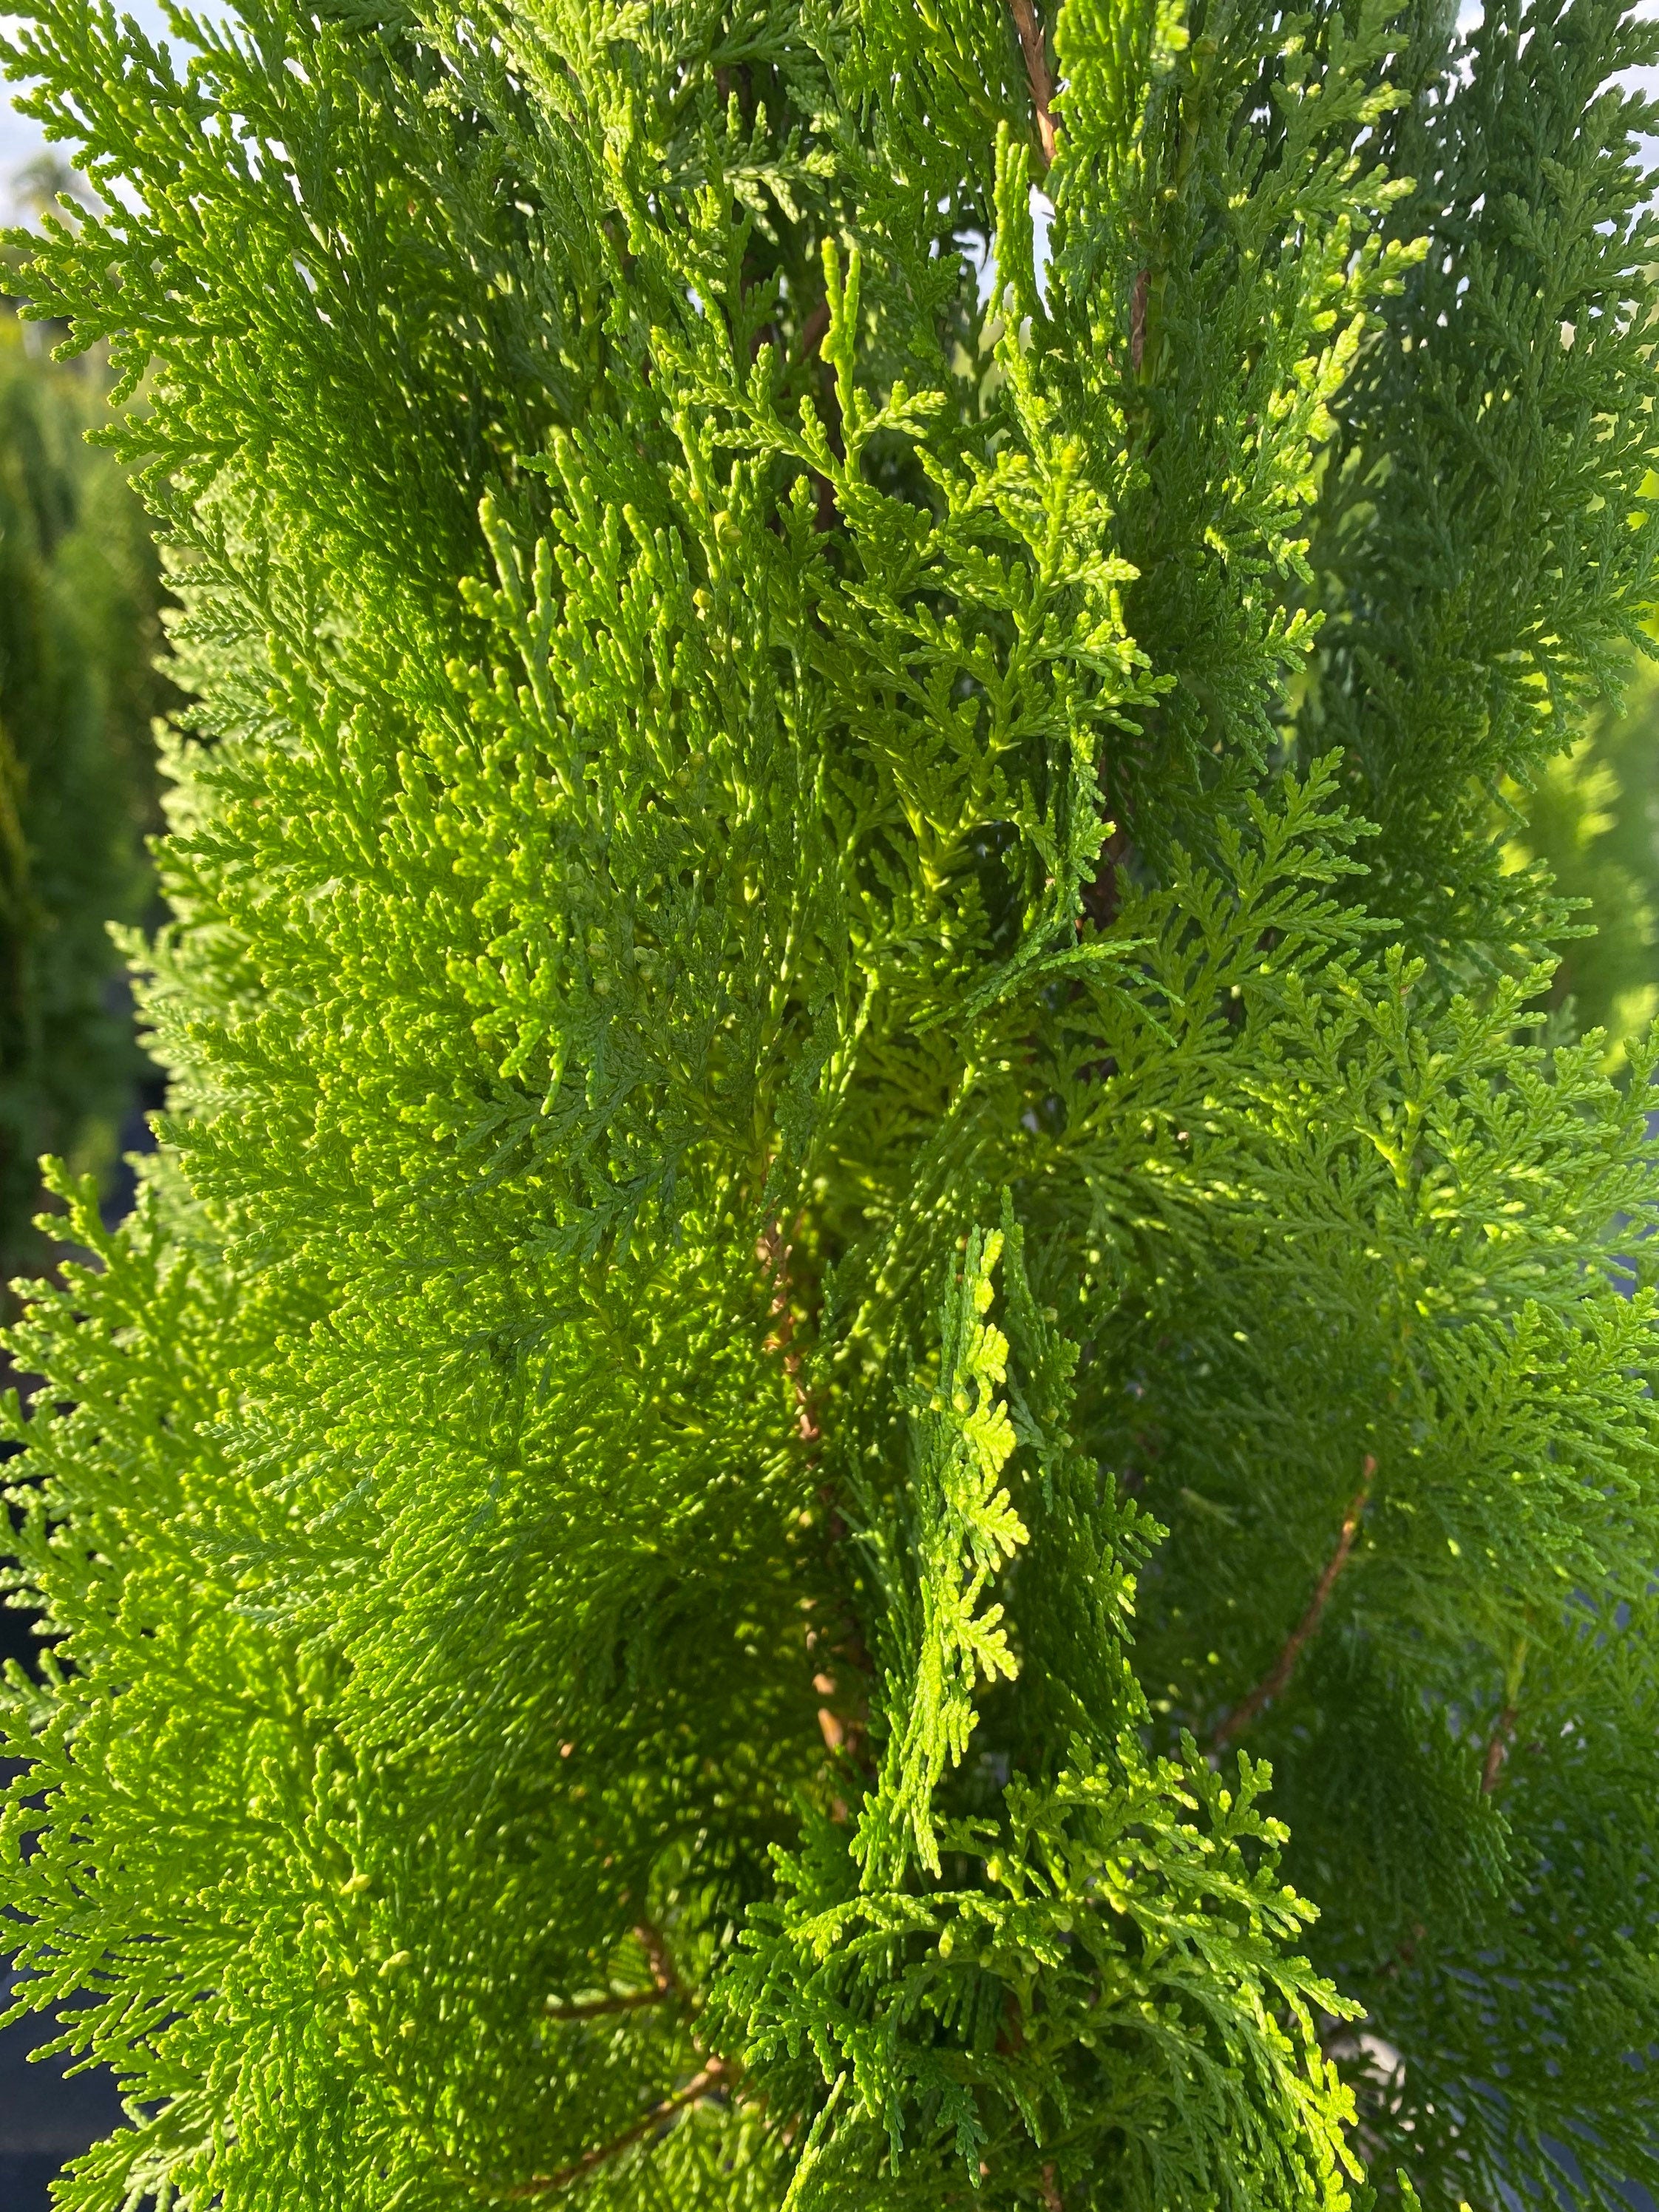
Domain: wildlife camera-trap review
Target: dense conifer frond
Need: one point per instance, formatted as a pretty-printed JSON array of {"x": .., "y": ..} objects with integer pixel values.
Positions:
[{"x": 843, "y": 1220}]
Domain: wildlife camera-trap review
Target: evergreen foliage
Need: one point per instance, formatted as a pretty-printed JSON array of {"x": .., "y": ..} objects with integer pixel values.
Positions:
[
  {"x": 79, "y": 593},
  {"x": 852, "y": 1214}
]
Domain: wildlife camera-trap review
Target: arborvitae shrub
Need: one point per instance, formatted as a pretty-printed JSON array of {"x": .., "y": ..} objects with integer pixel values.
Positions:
[
  {"x": 79, "y": 592},
  {"x": 852, "y": 1212}
]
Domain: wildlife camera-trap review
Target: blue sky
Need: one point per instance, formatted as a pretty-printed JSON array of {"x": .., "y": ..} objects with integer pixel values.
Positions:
[{"x": 20, "y": 134}]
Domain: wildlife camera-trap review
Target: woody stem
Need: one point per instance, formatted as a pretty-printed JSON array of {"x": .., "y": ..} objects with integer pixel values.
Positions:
[
  {"x": 1283, "y": 1668},
  {"x": 1036, "y": 71},
  {"x": 548, "y": 2184}
]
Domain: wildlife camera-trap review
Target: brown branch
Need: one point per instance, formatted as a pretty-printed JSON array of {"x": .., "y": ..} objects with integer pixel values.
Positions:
[
  {"x": 1037, "y": 70},
  {"x": 658, "y": 1959},
  {"x": 1103, "y": 897},
  {"x": 774, "y": 1255},
  {"x": 831, "y": 1726},
  {"x": 1282, "y": 1669},
  {"x": 596, "y": 2008},
  {"x": 1052, "y": 2199},
  {"x": 1496, "y": 1751},
  {"x": 1498, "y": 1748},
  {"x": 664, "y": 1984},
  {"x": 840, "y": 1734},
  {"x": 1138, "y": 299},
  {"x": 812, "y": 329},
  {"x": 548, "y": 2184}
]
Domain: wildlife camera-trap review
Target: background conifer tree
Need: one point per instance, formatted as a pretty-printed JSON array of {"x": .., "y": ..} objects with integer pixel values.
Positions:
[
  {"x": 80, "y": 588},
  {"x": 1593, "y": 818},
  {"x": 851, "y": 1211}
]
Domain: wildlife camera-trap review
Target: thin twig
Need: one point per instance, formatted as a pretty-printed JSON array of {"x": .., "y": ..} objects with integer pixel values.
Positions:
[
  {"x": 595, "y": 2008},
  {"x": 1052, "y": 2199},
  {"x": 548, "y": 2184},
  {"x": 664, "y": 1983},
  {"x": 831, "y": 1726},
  {"x": 1138, "y": 299},
  {"x": 1282, "y": 1669},
  {"x": 1498, "y": 1748},
  {"x": 658, "y": 1959},
  {"x": 840, "y": 1733},
  {"x": 773, "y": 1253},
  {"x": 1037, "y": 70},
  {"x": 812, "y": 329},
  {"x": 1496, "y": 1751}
]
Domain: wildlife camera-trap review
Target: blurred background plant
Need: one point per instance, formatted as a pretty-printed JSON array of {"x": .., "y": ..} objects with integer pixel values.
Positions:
[
  {"x": 80, "y": 598},
  {"x": 1593, "y": 819}
]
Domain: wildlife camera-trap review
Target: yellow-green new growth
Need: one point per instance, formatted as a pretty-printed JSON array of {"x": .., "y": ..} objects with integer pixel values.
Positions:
[{"x": 855, "y": 1204}]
